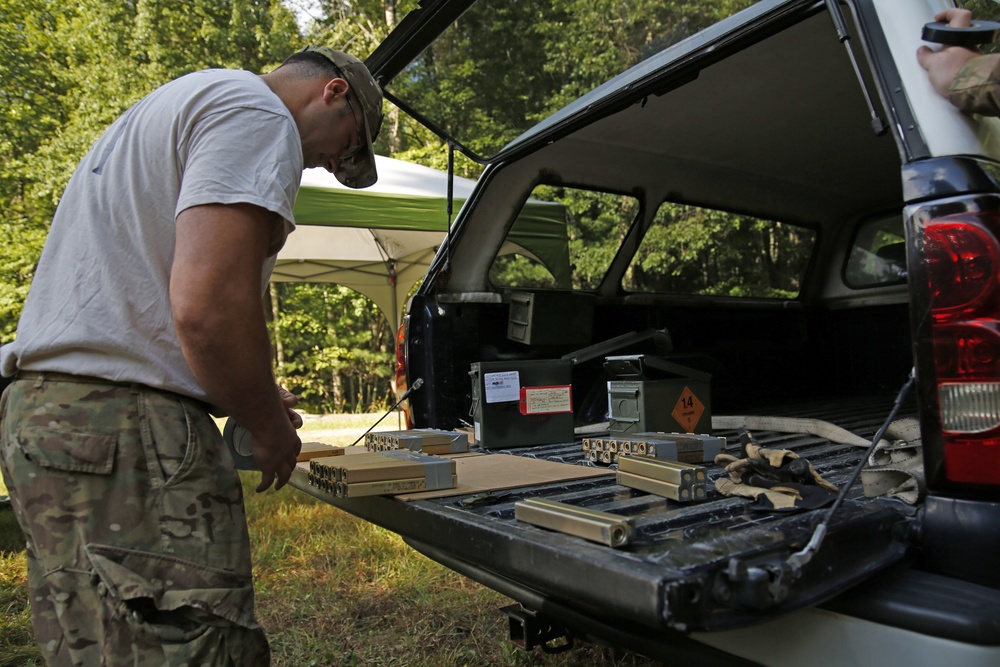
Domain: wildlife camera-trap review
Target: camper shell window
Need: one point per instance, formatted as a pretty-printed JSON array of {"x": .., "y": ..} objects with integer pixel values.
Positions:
[
  {"x": 577, "y": 255},
  {"x": 694, "y": 250}
]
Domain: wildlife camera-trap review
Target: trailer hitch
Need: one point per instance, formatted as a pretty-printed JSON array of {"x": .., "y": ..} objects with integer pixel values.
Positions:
[
  {"x": 529, "y": 629},
  {"x": 758, "y": 585}
]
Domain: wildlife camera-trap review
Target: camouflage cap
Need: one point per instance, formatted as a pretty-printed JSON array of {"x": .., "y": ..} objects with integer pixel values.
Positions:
[{"x": 358, "y": 170}]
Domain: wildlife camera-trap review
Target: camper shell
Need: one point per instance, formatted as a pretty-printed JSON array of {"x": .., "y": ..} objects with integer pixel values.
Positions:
[{"x": 813, "y": 121}]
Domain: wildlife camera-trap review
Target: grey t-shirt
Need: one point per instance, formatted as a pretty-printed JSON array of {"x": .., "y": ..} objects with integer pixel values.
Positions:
[{"x": 99, "y": 302}]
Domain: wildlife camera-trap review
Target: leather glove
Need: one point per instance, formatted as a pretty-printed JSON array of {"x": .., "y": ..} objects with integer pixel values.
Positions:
[
  {"x": 778, "y": 480},
  {"x": 780, "y": 465},
  {"x": 772, "y": 496}
]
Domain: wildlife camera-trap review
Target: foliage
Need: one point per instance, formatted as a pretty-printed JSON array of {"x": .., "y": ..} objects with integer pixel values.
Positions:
[
  {"x": 100, "y": 56},
  {"x": 504, "y": 66},
  {"x": 32, "y": 111},
  {"x": 597, "y": 224},
  {"x": 690, "y": 250},
  {"x": 336, "y": 352},
  {"x": 605, "y": 37},
  {"x": 686, "y": 250},
  {"x": 516, "y": 270},
  {"x": 482, "y": 80},
  {"x": 20, "y": 248}
]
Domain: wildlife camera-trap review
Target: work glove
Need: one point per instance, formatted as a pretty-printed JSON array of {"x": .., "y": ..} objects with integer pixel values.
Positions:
[
  {"x": 771, "y": 496},
  {"x": 777, "y": 479},
  {"x": 780, "y": 465}
]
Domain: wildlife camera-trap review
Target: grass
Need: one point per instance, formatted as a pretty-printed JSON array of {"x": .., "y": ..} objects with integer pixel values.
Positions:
[{"x": 335, "y": 591}]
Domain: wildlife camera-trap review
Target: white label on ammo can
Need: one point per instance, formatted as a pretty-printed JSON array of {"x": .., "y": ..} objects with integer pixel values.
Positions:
[{"x": 502, "y": 387}]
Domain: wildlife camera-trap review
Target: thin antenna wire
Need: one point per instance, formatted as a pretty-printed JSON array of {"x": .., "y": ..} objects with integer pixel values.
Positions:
[{"x": 797, "y": 560}]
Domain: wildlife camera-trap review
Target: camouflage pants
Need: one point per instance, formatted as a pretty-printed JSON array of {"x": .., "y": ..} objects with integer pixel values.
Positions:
[{"x": 138, "y": 552}]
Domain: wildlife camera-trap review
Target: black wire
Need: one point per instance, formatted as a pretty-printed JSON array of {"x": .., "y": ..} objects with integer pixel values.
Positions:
[
  {"x": 871, "y": 449},
  {"x": 416, "y": 385},
  {"x": 797, "y": 560}
]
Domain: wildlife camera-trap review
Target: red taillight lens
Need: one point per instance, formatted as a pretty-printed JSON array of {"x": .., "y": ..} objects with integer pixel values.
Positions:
[
  {"x": 400, "y": 365},
  {"x": 962, "y": 264},
  {"x": 400, "y": 368},
  {"x": 972, "y": 460},
  {"x": 963, "y": 268},
  {"x": 967, "y": 350}
]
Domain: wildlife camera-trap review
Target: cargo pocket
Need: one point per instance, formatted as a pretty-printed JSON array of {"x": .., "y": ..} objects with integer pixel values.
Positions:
[
  {"x": 175, "y": 611},
  {"x": 69, "y": 451}
]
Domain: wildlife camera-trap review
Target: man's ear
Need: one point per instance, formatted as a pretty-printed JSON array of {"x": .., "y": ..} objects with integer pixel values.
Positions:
[{"x": 334, "y": 88}]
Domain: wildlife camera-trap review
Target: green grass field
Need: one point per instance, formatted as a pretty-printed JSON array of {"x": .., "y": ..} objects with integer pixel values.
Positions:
[{"x": 335, "y": 591}]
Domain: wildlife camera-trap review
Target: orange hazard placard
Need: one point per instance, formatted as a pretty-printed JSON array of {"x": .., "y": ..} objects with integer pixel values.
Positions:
[{"x": 688, "y": 410}]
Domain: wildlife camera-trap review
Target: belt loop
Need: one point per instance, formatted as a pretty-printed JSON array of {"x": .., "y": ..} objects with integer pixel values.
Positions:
[{"x": 39, "y": 380}]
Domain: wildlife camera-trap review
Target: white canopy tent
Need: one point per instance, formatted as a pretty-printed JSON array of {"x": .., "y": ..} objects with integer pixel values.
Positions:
[{"x": 379, "y": 241}]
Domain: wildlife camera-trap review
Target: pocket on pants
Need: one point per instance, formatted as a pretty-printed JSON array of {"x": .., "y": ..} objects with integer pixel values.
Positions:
[
  {"x": 193, "y": 614},
  {"x": 69, "y": 451},
  {"x": 171, "y": 444}
]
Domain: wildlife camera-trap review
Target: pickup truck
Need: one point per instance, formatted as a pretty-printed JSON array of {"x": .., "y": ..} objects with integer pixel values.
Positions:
[{"x": 779, "y": 202}]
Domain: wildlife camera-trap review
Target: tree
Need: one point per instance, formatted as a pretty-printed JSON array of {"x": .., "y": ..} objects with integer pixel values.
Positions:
[
  {"x": 503, "y": 66},
  {"x": 100, "y": 57},
  {"x": 692, "y": 250},
  {"x": 335, "y": 347},
  {"x": 31, "y": 104},
  {"x": 588, "y": 41}
]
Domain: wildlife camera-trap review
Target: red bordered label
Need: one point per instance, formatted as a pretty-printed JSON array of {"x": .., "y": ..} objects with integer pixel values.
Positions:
[{"x": 546, "y": 400}]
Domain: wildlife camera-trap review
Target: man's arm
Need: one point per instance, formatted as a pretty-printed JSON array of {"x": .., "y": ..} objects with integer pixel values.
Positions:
[
  {"x": 216, "y": 304},
  {"x": 970, "y": 80}
]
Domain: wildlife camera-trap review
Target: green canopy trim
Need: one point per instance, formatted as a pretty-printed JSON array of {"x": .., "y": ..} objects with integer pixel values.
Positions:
[{"x": 540, "y": 227}]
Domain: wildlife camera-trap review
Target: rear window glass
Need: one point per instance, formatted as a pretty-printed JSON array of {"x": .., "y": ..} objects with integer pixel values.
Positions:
[
  {"x": 564, "y": 238},
  {"x": 506, "y": 64},
  {"x": 692, "y": 250},
  {"x": 878, "y": 253}
]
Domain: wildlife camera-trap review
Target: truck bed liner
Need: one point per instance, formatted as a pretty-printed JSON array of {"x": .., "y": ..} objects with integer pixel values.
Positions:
[{"x": 707, "y": 565}]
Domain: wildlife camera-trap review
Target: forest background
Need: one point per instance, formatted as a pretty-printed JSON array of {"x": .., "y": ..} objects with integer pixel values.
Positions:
[{"x": 67, "y": 70}]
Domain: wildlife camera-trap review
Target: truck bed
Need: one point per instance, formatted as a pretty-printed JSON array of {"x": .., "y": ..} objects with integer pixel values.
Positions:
[{"x": 706, "y": 565}]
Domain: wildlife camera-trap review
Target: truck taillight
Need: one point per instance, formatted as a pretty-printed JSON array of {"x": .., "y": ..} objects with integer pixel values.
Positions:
[
  {"x": 963, "y": 269},
  {"x": 400, "y": 368}
]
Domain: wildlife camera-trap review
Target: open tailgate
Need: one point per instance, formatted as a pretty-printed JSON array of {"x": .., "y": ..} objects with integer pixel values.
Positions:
[{"x": 705, "y": 565}]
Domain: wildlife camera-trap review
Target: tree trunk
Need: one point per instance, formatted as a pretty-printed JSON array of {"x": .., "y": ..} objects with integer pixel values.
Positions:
[
  {"x": 337, "y": 390},
  {"x": 279, "y": 350}
]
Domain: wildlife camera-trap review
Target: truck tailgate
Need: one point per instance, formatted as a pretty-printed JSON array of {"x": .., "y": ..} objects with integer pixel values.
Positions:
[{"x": 705, "y": 565}]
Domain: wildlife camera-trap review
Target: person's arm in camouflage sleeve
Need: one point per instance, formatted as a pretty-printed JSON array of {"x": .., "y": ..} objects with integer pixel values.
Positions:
[
  {"x": 976, "y": 87},
  {"x": 970, "y": 80}
]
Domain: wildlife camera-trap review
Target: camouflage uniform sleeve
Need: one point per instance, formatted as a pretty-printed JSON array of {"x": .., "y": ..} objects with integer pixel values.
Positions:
[{"x": 976, "y": 88}]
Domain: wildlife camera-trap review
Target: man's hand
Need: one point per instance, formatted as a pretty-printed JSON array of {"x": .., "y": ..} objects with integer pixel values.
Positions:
[
  {"x": 276, "y": 462},
  {"x": 290, "y": 400},
  {"x": 942, "y": 66},
  {"x": 276, "y": 456}
]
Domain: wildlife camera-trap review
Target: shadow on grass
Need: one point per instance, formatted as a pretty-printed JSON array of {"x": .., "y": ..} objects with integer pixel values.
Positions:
[
  {"x": 17, "y": 645},
  {"x": 11, "y": 537}
]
